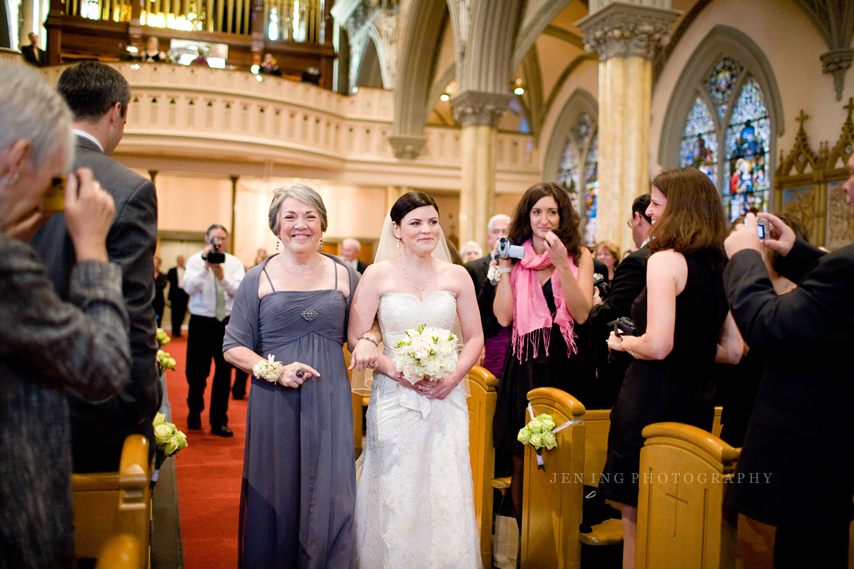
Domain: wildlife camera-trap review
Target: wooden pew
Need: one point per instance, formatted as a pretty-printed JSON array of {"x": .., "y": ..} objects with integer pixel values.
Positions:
[
  {"x": 122, "y": 551},
  {"x": 683, "y": 479},
  {"x": 111, "y": 503},
  {"x": 716, "y": 422},
  {"x": 481, "y": 406},
  {"x": 598, "y": 423},
  {"x": 552, "y": 499}
]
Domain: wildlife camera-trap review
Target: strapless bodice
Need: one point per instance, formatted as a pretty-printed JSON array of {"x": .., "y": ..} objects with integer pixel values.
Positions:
[{"x": 401, "y": 311}]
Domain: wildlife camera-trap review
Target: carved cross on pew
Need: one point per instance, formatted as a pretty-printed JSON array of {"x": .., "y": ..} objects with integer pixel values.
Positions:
[
  {"x": 801, "y": 118},
  {"x": 676, "y": 502}
]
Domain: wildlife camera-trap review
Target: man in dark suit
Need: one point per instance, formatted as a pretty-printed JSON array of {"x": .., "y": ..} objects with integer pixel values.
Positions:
[
  {"x": 177, "y": 297},
  {"x": 795, "y": 468},
  {"x": 496, "y": 337},
  {"x": 350, "y": 251},
  {"x": 33, "y": 54},
  {"x": 98, "y": 96},
  {"x": 629, "y": 282}
]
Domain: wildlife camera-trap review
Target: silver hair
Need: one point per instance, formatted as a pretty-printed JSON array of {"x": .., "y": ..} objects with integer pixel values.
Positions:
[
  {"x": 34, "y": 111},
  {"x": 299, "y": 192},
  {"x": 494, "y": 218},
  {"x": 477, "y": 246},
  {"x": 355, "y": 243}
]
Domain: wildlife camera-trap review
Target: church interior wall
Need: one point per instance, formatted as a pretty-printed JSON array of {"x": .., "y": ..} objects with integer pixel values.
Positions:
[{"x": 791, "y": 44}]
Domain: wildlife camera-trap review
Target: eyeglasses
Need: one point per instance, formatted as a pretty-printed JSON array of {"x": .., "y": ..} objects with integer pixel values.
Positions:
[{"x": 629, "y": 223}]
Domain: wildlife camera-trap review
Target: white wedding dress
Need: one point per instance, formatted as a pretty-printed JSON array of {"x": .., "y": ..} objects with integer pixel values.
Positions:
[{"x": 414, "y": 500}]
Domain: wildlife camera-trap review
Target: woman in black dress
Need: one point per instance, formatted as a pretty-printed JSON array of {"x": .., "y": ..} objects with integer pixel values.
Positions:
[
  {"x": 547, "y": 297},
  {"x": 298, "y": 494},
  {"x": 678, "y": 320}
]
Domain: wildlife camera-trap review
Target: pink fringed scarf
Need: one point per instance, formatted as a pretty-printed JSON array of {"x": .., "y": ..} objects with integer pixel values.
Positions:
[{"x": 532, "y": 320}]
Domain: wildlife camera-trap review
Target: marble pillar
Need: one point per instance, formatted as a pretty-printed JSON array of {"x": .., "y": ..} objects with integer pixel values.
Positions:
[
  {"x": 478, "y": 113},
  {"x": 625, "y": 36}
]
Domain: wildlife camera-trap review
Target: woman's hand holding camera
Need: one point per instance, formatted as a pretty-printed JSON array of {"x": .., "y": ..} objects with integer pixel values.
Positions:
[{"x": 295, "y": 374}]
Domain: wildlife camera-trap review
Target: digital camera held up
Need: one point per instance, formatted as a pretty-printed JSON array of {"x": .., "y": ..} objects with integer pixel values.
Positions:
[
  {"x": 507, "y": 251},
  {"x": 600, "y": 283},
  {"x": 216, "y": 256}
]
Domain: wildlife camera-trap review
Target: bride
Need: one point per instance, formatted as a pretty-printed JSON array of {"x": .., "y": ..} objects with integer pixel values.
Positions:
[{"x": 414, "y": 500}]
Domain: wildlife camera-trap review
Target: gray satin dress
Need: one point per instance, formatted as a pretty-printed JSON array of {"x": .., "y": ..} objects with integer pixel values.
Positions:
[{"x": 298, "y": 494}]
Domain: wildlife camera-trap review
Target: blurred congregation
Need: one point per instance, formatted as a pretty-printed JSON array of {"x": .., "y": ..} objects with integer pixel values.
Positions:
[{"x": 220, "y": 220}]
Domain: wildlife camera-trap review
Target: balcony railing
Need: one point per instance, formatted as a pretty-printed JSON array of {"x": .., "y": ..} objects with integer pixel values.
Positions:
[{"x": 196, "y": 112}]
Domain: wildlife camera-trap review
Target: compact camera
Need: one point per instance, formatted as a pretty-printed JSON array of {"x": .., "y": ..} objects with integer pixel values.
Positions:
[
  {"x": 216, "y": 256},
  {"x": 600, "y": 283},
  {"x": 762, "y": 227},
  {"x": 623, "y": 326},
  {"x": 507, "y": 251}
]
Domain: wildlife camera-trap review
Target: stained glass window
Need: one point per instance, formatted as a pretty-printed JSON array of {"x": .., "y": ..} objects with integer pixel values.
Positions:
[
  {"x": 721, "y": 83},
  {"x": 591, "y": 191},
  {"x": 583, "y": 128},
  {"x": 730, "y": 141},
  {"x": 746, "y": 181},
  {"x": 568, "y": 175},
  {"x": 578, "y": 171},
  {"x": 699, "y": 147}
]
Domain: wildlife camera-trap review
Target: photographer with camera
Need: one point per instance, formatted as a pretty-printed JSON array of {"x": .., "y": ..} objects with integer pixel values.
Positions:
[
  {"x": 211, "y": 279},
  {"x": 547, "y": 297}
]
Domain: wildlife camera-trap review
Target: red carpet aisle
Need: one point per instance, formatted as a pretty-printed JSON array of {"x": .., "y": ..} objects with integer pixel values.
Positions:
[{"x": 209, "y": 472}]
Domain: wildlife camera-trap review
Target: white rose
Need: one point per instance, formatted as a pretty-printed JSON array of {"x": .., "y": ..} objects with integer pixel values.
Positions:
[
  {"x": 537, "y": 440},
  {"x": 162, "y": 433},
  {"x": 432, "y": 367},
  {"x": 420, "y": 350}
]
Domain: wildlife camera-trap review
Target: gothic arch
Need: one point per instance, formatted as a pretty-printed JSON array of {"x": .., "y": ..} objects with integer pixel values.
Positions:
[
  {"x": 534, "y": 29},
  {"x": 370, "y": 73},
  {"x": 722, "y": 41},
  {"x": 580, "y": 101},
  {"x": 417, "y": 60}
]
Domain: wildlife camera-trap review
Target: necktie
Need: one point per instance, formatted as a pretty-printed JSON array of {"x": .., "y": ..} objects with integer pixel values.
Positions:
[{"x": 220, "y": 300}]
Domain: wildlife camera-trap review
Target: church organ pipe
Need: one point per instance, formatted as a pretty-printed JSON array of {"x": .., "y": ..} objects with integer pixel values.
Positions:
[{"x": 229, "y": 16}]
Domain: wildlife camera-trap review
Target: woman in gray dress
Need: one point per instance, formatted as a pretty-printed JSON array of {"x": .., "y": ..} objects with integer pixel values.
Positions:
[
  {"x": 47, "y": 345},
  {"x": 299, "y": 480}
]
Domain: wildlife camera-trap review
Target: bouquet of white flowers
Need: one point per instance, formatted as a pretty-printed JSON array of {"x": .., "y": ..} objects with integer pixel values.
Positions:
[
  {"x": 269, "y": 370},
  {"x": 169, "y": 441},
  {"x": 426, "y": 352},
  {"x": 538, "y": 433}
]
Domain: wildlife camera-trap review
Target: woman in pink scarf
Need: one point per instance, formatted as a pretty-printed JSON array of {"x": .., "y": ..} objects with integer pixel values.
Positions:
[{"x": 547, "y": 297}]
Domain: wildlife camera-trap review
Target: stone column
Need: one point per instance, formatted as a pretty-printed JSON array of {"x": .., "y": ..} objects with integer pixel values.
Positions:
[
  {"x": 478, "y": 112},
  {"x": 625, "y": 37},
  {"x": 392, "y": 193}
]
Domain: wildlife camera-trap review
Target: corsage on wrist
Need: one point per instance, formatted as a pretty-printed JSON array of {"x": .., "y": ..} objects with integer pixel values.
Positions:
[
  {"x": 269, "y": 369},
  {"x": 494, "y": 274}
]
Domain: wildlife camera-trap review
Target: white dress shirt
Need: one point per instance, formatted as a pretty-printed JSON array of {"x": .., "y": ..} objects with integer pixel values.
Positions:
[{"x": 199, "y": 284}]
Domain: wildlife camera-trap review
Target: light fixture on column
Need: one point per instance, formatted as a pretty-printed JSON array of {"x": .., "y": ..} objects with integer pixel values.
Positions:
[
  {"x": 445, "y": 97},
  {"x": 519, "y": 87}
]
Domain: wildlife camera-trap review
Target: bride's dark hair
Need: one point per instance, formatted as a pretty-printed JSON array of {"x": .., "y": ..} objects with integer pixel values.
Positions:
[{"x": 409, "y": 201}]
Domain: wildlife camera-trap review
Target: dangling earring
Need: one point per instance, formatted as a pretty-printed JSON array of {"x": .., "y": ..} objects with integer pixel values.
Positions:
[
  {"x": 320, "y": 244},
  {"x": 277, "y": 245}
]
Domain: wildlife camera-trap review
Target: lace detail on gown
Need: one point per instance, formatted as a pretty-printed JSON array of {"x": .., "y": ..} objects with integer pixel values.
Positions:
[{"x": 415, "y": 498}]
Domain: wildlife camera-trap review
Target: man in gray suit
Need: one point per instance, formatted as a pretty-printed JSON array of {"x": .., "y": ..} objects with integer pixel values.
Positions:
[{"x": 98, "y": 96}]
